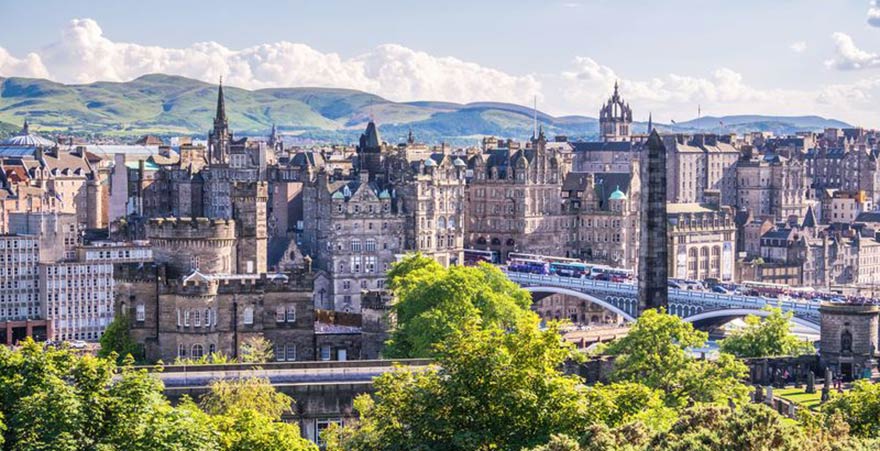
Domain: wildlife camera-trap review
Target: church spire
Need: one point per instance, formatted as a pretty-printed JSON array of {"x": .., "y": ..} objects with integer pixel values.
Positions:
[
  {"x": 650, "y": 124},
  {"x": 25, "y": 129},
  {"x": 221, "y": 105}
]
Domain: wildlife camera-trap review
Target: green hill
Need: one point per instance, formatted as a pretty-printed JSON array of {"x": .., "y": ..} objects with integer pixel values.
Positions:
[{"x": 169, "y": 105}]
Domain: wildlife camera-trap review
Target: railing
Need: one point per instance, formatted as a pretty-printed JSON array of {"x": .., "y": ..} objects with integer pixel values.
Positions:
[{"x": 675, "y": 294}]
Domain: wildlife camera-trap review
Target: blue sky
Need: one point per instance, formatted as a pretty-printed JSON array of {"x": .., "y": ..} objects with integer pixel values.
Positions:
[{"x": 730, "y": 57}]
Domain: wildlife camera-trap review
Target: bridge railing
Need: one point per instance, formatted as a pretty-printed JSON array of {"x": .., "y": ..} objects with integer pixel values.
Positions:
[{"x": 701, "y": 297}]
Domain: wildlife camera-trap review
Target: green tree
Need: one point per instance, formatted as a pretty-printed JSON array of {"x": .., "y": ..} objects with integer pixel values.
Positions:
[
  {"x": 432, "y": 302},
  {"x": 626, "y": 402},
  {"x": 491, "y": 389},
  {"x": 255, "y": 349},
  {"x": 715, "y": 428},
  {"x": 655, "y": 352},
  {"x": 232, "y": 395},
  {"x": 859, "y": 408},
  {"x": 117, "y": 340},
  {"x": 767, "y": 337},
  {"x": 247, "y": 430}
]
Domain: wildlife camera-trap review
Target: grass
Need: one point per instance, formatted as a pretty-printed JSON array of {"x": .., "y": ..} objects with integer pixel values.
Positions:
[{"x": 800, "y": 396}]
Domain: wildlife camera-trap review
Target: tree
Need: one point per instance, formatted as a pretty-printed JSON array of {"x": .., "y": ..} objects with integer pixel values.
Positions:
[
  {"x": 228, "y": 396},
  {"x": 769, "y": 337},
  {"x": 255, "y": 349},
  {"x": 247, "y": 430},
  {"x": 491, "y": 389},
  {"x": 715, "y": 428},
  {"x": 117, "y": 339},
  {"x": 859, "y": 408},
  {"x": 655, "y": 352},
  {"x": 432, "y": 303},
  {"x": 626, "y": 402}
]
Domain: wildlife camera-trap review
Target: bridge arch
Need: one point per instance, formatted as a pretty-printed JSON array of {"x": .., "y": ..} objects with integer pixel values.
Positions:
[
  {"x": 737, "y": 313},
  {"x": 556, "y": 290}
]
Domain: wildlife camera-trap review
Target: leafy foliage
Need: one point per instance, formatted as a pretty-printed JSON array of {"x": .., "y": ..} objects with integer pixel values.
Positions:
[
  {"x": 433, "y": 302},
  {"x": 859, "y": 408},
  {"x": 655, "y": 353},
  {"x": 55, "y": 400},
  {"x": 117, "y": 340},
  {"x": 227, "y": 396},
  {"x": 255, "y": 349},
  {"x": 767, "y": 337},
  {"x": 490, "y": 390}
]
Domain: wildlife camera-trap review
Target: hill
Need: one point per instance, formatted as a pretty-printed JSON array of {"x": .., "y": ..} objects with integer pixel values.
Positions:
[{"x": 170, "y": 105}]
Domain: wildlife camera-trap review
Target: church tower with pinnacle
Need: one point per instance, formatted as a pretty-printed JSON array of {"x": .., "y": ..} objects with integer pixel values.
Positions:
[
  {"x": 219, "y": 138},
  {"x": 615, "y": 118}
]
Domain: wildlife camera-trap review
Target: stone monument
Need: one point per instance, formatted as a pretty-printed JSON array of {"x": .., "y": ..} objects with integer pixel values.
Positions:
[
  {"x": 849, "y": 337},
  {"x": 653, "y": 247}
]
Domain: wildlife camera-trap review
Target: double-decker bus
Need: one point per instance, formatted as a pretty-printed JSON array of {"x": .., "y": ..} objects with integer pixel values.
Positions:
[
  {"x": 608, "y": 273},
  {"x": 530, "y": 266},
  {"x": 472, "y": 257},
  {"x": 766, "y": 288},
  {"x": 570, "y": 269}
]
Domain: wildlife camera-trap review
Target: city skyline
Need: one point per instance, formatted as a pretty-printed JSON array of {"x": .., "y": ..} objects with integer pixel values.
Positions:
[{"x": 568, "y": 54}]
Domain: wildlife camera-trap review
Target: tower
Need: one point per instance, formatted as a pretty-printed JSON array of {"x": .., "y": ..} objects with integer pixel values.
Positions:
[
  {"x": 369, "y": 151},
  {"x": 615, "y": 118},
  {"x": 219, "y": 137},
  {"x": 653, "y": 249}
]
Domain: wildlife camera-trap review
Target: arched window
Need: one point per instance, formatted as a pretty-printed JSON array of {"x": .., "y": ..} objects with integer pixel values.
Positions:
[
  {"x": 481, "y": 240},
  {"x": 451, "y": 222},
  {"x": 441, "y": 223},
  {"x": 198, "y": 351},
  {"x": 248, "y": 315}
]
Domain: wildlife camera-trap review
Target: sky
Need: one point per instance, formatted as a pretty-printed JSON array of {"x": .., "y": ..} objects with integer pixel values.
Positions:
[{"x": 672, "y": 58}]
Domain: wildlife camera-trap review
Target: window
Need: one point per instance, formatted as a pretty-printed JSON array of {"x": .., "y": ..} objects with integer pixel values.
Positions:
[
  {"x": 186, "y": 318},
  {"x": 181, "y": 351},
  {"x": 208, "y": 317},
  {"x": 355, "y": 245},
  {"x": 140, "y": 314},
  {"x": 212, "y": 349},
  {"x": 370, "y": 245},
  {"x": 198, "y": 351},
  {"x": 249, "y": 315},
  {"x": 279, "y": 314},
  {"x": 279, "y": 353},
  {"x": 325, "y": 352},
  {"x": 291, "y": 353},
  {"x": 197, "y": 318},
  {"x": 291, "y": 313}
]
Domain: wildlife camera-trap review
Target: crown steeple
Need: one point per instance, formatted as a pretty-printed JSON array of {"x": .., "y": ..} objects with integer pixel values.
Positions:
[{"x": 221, "y": 105}]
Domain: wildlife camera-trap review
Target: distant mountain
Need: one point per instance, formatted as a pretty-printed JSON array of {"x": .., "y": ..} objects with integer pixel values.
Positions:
[{"x": 169, "y": 105}]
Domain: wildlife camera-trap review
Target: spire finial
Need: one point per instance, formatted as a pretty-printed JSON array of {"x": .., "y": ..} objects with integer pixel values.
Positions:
[
  {"x": 616, "y": 85},
  {"x": 25, "y": 129},
  {"x": 650, "y": 123}
]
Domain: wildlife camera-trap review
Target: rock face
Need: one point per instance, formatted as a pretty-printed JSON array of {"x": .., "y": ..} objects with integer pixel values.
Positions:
[{"x": 653, "y": 249}]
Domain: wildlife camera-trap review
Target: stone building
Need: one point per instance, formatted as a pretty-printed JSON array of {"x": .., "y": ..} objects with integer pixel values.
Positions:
[
  {"x": 772, "y": 186},
  {"x": 200, "y": 314},
  {"x": 356, "y": 225},
  {"x": 699, "y": 164},
  {"x": 701, "y": 242},
  {"x": 514, "y": 202}
]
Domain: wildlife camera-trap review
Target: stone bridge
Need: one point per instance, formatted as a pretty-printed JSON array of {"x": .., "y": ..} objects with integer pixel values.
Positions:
[{"x": 699, "y": 307}]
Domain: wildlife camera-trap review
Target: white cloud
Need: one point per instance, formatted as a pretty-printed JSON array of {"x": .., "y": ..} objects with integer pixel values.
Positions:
[
  {"x": 29, "y": 66},
  {"x": 798, "y": 47},
  {"x": 849, "y": 56},
  {"x": 83, "y": 54},
  {"x": 874, "y": 14}
]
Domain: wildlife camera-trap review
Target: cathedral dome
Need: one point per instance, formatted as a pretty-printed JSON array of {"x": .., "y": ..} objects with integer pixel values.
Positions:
[{"x": 617, "y": 195}]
